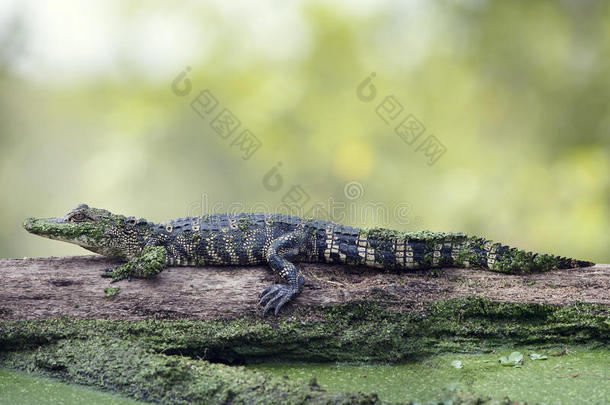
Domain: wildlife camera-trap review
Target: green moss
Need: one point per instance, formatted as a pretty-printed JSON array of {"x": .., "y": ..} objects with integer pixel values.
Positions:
[
  {"x": 110, "y": 292},
  {"x": 521, "y": 262},
  {"x": 168, "y": 360},
  {"x": 94, "y": 231},
  {"x": 129, "y": 367},
  {"x": 354, "y": 332},
  {"x": 151, "y": 262},
  {"x": 383, "y": 234}
]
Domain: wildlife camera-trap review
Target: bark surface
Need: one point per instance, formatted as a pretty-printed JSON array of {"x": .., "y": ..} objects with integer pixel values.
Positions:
[{"x": 49, "y": 287}]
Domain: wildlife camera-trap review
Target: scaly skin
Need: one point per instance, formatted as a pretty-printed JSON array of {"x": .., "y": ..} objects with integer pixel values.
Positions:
[{"x": 279, "y": 241}]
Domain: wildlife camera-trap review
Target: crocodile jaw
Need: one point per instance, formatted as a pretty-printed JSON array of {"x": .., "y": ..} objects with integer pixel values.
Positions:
[{"x": 87, "y": 235}]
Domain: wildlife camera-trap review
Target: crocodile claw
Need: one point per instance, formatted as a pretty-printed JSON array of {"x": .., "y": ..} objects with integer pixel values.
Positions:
[
  {"x": 114, "y": 274},
  {"x": 107, "y": 272},
  {"x": 276, "y": 296}
]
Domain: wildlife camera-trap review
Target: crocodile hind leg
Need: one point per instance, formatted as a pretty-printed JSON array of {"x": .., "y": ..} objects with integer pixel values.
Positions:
[
  {"x": 151, "y": 262},
  {"x": 279, "y": 255}
]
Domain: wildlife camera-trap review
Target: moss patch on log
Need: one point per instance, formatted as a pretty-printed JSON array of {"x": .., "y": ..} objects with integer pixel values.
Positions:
[
  {"x": 357, "y": 331},
  {"x": 173, "y": 361},
  {"x": 128, "y": 367}
]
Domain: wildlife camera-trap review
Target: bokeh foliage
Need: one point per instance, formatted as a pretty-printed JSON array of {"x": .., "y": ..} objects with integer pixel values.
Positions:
[{"x": 517, "y": 92}]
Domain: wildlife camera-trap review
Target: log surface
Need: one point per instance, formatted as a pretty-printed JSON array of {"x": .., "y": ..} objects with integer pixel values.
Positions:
[{"x": 50, "y": 287}]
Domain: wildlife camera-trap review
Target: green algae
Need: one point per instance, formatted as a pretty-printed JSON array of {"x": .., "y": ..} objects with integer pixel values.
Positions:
[
  {"x": 128, "y": 367},
  {"x": 93, "y": 232},
  {"x": 383, "y": 234},
  {"x": 21, "y": 388},
  {"x": 150, "y": 262},
  {"x": 359, "y": 331},
  {"x": 580, "y": 376},
  {"x": 111, "y": 291},
  {"x": 177, "y": 360}
]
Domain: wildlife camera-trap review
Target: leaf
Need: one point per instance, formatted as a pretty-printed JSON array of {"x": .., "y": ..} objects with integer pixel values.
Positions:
[
  {"x": 515, "y": 359},
  {"x": 536, "y": 356},
  {"x": 457, "y": 364}
]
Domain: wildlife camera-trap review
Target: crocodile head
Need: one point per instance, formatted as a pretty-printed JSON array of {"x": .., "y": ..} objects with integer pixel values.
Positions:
[{"x": 95, "y": 229}]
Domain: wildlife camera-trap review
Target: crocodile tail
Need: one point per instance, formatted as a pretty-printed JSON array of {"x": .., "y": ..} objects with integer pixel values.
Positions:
[{"x": 478, "y": 252}]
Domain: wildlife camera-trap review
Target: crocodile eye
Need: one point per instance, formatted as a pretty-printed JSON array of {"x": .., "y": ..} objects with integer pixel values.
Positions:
[{"x": 78, "y": 217}]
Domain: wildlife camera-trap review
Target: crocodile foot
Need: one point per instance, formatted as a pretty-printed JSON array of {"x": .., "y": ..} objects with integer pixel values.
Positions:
[
  {"x": 276, "y": 296},
  {"x": 115, "y": 274}
]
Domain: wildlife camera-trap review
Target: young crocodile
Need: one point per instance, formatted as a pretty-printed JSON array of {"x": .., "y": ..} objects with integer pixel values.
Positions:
[{"x": 279, "y": 241}]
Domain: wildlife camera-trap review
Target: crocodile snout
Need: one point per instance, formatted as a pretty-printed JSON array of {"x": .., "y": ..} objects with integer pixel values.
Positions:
[{"x": 28, "y": 224}]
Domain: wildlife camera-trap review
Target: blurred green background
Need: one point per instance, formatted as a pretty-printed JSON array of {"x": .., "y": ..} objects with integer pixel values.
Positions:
[{"x": 517, "y": 93}]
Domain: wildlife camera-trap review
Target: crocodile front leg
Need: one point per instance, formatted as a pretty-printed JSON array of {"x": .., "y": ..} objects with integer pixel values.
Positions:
[
  {"x": 151, "y": 262},
  {"x": 279, "y": 254}
]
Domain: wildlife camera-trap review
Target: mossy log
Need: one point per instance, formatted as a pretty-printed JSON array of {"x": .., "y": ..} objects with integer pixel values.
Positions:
[
  {"x": 72, "y": 286},
  {"x": 162, "y": 339}
]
